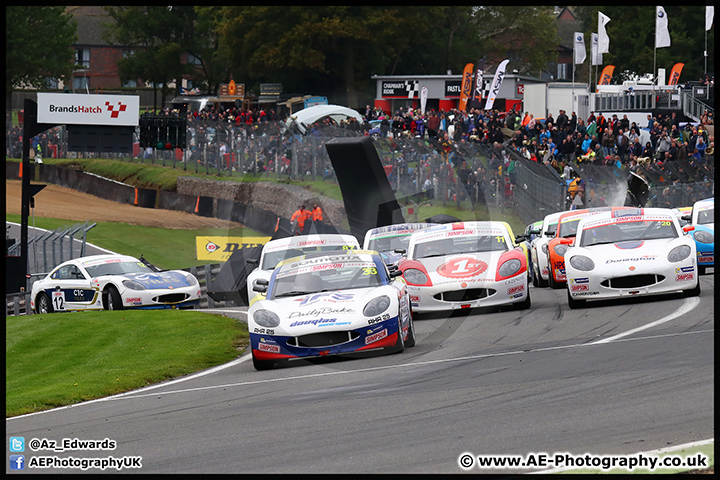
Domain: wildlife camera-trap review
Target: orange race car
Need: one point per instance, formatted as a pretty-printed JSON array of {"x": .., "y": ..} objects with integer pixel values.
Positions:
[{"x": 564, "y": 238}]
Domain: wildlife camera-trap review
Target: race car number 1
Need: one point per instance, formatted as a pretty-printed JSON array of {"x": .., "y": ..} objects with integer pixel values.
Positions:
[{"x": 58, "y": 300}]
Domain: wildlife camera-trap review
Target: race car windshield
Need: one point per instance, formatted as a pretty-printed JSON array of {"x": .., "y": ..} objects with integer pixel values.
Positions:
[
  {"x": 324, "y": 278},
  {"x": 628, "y": 232},
  {"x": 706, "y": 216},
  {"x": 466, "y": 244},
  {"x": 271, "y": 259},
  {"x": 389, "y": 244},
  {"x": 117, "y": 268},
  {"x": 569, "y": 228}
]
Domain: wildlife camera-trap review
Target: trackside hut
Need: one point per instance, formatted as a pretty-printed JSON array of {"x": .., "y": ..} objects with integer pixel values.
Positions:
[{"x": 395, "y": 91}]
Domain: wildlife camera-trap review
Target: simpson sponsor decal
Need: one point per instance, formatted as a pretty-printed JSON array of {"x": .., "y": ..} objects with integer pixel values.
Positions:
[
  {"x": 684, "y": 277},
  {"x": 516, "y": 289},
  {"x": 580, "y": 288},
  {"x": 268, "y": 347},
  {"x": 372, "y": 338}
]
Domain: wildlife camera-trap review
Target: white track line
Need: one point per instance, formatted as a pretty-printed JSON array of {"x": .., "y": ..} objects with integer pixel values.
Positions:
[{"x": 688, "y": 305}]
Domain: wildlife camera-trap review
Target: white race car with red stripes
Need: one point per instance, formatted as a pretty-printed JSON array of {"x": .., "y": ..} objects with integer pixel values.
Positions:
[
  {"x": 630, "y": 252},
  {"x": 465, "y": 265}
]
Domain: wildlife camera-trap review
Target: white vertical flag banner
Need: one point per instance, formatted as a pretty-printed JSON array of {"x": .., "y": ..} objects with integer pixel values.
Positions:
[
  {"x": 662, "y": 35},
  {"x": 579, "y": 48},
  {"x": 709, "y": 14},
  {"x": 603, "y": 39},
  {"x": 595, "y": 56},
  {"x": 423, "y": 98},
  {"x": 495, "y": 87}
]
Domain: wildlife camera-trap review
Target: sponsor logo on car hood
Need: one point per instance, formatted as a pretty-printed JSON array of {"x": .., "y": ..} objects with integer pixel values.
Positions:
[{"x": 159, "y": 279}]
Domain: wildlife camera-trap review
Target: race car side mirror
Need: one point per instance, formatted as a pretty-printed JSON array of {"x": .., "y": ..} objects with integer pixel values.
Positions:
[
  {"x": 252, "y": 261},
  {"x": 400, "y": 250},
  {"x": 395, "y": 273},
  {"x": 687, "y": 216},
  {"x": 260, "y": 285}
]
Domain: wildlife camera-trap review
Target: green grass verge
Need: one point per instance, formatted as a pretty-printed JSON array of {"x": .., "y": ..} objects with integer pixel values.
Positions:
[
  {"x": 165, "y": 248},
  {"x": 66, "y": 358}
]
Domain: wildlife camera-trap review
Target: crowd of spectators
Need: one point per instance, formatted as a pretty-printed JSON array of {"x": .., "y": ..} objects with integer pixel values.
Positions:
[{"x": 216, "y": 134}]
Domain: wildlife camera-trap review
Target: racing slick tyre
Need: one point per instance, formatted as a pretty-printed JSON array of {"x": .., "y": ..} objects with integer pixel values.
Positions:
[
  {"x": 410, "y": 342},
  {"x": 43, "y": 304},
  {"x": 693, "y": 292},
  {"x": 553, "y": 284},
  {"x": 113, "y": 300},
  {"x": 540, "y": 282},
  {"x": 400, "y": 344},
  {"x": 525, "y": 304},
  {"x": 572, "y": 303},
  {"x": 261, "y": 364}
]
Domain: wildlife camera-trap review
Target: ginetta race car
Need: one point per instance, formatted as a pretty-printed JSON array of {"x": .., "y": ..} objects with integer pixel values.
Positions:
[
  {"x": 702, "y": 218},
  {"x": 112, "y": 282},
  {"x": 565, "y": 236},
  {"x": 389, "y": 238},
  {"x": 538, "y": 249},
  {"x": 630, "y": 252},
  {"x": 275, "y": 251},
  {"x": 465, "y": 265},
  {"x": 329, "y": 304}
]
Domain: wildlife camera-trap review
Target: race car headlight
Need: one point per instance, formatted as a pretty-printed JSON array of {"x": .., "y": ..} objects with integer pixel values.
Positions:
[
  {"x": 376, "y": 306},
  {"x": 679, "y": 254},
  {"x": 560, "y": 249},
  {"x": 582, "y": 263},
  {"x": 510, "y": 267},
  {"x": 704, "y": 237},
  {"x": 192, "y": 281},
  {"x": 133, "y": 285},
  {"x": 544, "y": 248},
  {"x": 266, "y": 318},
  {"x": 415, "y": 277}
]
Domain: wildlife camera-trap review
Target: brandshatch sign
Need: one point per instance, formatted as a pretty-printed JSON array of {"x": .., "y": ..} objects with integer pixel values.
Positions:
[{"x": 79, "y": 109}]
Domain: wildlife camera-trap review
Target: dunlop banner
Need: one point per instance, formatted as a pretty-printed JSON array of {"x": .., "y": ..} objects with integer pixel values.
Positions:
[{"x": 219, "y": 249}]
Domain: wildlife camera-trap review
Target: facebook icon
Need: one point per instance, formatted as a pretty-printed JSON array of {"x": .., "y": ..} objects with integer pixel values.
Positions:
[{"x": 17, "y": 462}]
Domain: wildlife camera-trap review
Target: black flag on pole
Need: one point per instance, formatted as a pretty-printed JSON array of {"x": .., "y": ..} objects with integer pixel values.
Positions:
[{"x": 477, "y": 92}]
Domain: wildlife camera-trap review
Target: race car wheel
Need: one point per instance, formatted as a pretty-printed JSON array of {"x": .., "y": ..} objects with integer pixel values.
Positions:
[
  {"x": 43, "y": 304},
  {"x": 113, "y": 301},
  {"x": 540, "y": 282},
  {"x": 572, "y": 303},
  {"x": 261, "y": 364},
  {"x": 553, "y": 284},
  {"x": 693, "y": 292},
  {"x": 410, "y": 342},
  {"x": 525, "y": 304},
  {"x": 400, "y": 344},
  {"x": 701, "y": 270}
]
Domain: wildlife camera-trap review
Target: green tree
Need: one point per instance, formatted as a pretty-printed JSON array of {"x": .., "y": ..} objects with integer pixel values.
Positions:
[
  {"x": 335, "y": 48},
  {"x": 38, "y": 44},
  {"x": 632, "y": 39},
  {"x": 157, "y": 37}
]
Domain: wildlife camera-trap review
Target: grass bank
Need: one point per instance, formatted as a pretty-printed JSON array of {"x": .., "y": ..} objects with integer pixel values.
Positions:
[{"x": 66, "y": 358}]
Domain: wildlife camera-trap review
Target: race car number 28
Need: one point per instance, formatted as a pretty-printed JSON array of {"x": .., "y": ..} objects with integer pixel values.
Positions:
[{"x": 58, "y": 300}]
